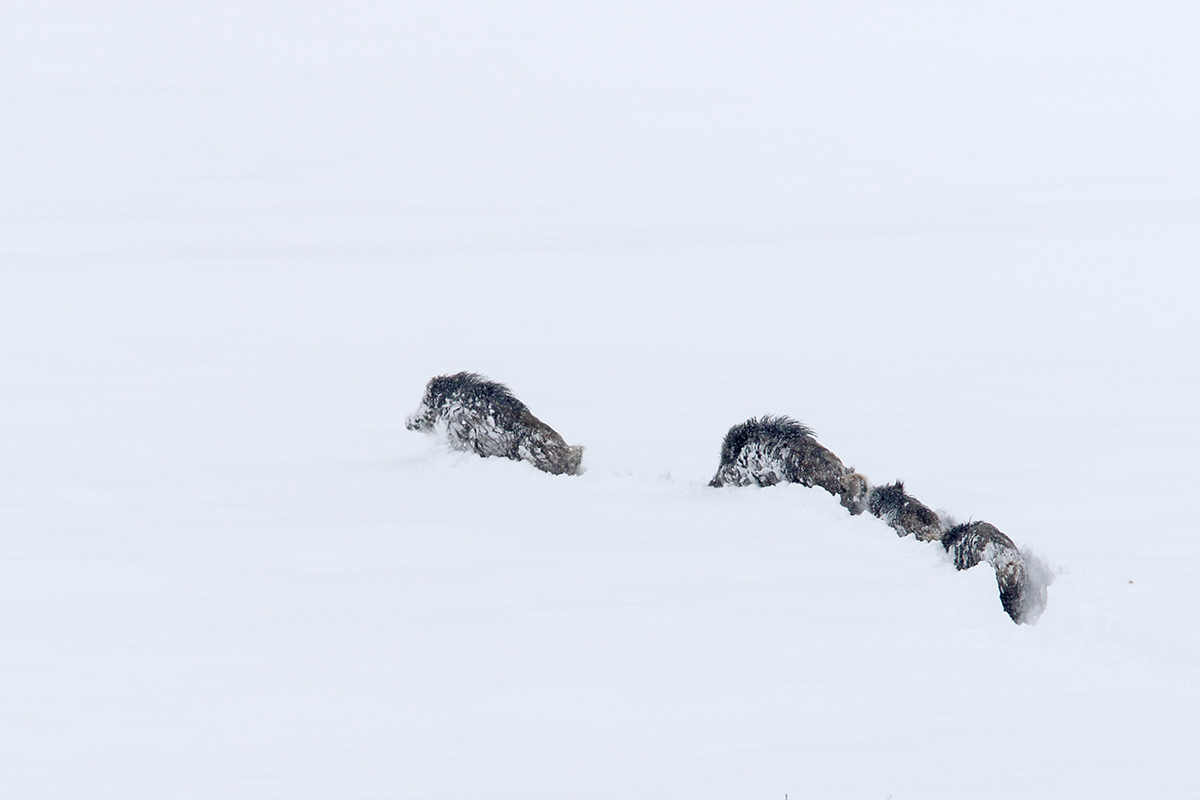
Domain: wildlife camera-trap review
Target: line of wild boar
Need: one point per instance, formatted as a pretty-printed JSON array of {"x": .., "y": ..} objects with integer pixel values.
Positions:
[{"x": 478, "y": 415}]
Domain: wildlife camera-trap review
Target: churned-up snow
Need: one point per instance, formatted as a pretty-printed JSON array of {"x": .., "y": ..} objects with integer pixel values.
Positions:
[{"x": 237, "y": 240}]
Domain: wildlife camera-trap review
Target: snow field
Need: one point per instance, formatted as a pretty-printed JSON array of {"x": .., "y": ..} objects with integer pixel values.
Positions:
[{"x": 237, "y": 239}]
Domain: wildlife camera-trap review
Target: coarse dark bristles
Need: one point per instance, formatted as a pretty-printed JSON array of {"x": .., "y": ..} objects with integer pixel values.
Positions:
[
  {"x": 904, "y": 512},
  {"x": 779, "y": 427}
]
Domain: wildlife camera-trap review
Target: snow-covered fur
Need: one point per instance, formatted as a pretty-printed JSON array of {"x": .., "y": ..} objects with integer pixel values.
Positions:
[
  {"x": 904, "y": 512},
  {"x": 771, "y": 450},
  {"x": 972, "y": 542},
  {"x": 484, "y": 417}
]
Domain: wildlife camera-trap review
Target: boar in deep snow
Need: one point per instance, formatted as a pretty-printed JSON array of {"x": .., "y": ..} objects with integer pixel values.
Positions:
[
  {"x": 904, "y": 512},
  {"x": 771, "y": 450},
  {"x": 484, "y": 417}
]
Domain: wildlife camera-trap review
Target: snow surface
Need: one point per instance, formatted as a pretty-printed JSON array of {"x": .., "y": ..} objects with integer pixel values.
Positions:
[{"x": 236, "y": 239}]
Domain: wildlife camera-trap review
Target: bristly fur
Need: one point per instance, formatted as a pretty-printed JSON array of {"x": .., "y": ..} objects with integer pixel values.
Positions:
[
  {"x": 778, "y": 449},
  {"x": 972, "y": 542},
  {"x": 904, "y": 512},
  {"x": 485, "y": 417}
]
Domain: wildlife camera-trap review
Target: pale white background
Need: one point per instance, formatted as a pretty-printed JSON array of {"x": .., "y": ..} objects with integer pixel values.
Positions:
[{"x": 236, "y": 238}]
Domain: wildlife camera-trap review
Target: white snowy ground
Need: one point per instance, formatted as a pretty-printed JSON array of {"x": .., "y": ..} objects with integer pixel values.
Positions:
[{"x": 237, "y": 238}]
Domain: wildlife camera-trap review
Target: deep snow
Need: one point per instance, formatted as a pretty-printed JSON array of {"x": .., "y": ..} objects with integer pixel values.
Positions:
[{"x": 237, "y": 239}]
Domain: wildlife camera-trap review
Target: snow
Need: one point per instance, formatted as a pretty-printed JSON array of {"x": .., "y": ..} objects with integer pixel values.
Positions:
[{"x": 236, "y": 240}]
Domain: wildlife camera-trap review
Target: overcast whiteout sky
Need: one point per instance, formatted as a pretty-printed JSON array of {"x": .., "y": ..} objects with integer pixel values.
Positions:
[
  {"x": 160, "y": 124},
  {"x": 236, "y": 238}
]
